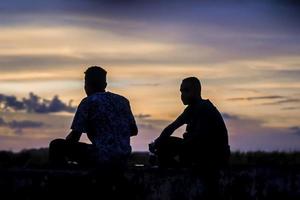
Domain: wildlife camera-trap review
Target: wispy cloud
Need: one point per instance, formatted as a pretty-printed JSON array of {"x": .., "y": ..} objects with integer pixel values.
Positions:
[
  {"x": 252, "y": 134},
  {"x": 291, "y": 108},
  {"x": 295, "y": 130},
  {"x": 18, "y": 126},
  {"x": 142, "y": 116},
  {"x": 229, "y": 116},
  {"x": 276, "y": 100},
  {"x": 287, "y": 100},
  {"x": 256, "y": 98}
]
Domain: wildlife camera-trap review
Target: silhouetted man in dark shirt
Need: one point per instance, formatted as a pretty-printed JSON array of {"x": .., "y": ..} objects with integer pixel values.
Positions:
[
  {"x": 205, "y": 141},
  {"x": 107, "y": 120}
]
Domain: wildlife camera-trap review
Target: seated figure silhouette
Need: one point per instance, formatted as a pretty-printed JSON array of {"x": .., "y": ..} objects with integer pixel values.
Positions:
[
  {"x": 107, "y": 120},
  {"x": 205, "y": 142}
]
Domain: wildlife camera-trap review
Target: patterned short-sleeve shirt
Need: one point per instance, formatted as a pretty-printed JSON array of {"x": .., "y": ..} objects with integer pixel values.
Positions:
[{"x": 107, "y": 120}]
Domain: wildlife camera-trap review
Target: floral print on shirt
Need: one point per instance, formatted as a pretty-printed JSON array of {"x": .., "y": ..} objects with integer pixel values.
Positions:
[{"x": 108, "y": 120}]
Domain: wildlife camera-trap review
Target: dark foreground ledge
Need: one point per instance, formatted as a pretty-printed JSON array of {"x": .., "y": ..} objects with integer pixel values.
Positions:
[{"x": 240, "y": 183}]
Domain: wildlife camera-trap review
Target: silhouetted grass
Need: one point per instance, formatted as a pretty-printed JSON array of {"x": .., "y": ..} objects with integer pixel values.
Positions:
[
  {"x": 275, "y": 158},
  {"x": 38, "y": 158}
]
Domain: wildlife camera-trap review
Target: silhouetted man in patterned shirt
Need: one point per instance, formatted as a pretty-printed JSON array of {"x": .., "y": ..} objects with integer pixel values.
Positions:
[{"x": 107, "y": 120}]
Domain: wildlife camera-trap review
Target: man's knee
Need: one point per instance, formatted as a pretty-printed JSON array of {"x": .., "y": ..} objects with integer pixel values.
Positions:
[
  {"x": 57, "y": 151},
  {"x": 57, "y": 143}
]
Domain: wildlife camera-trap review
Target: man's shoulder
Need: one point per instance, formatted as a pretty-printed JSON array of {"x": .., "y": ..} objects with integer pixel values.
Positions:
[
  {"x": 208, "y": 105},
  {"x": 210, "y": 109},
  {"x": 118, "y": 97},
  {"x": 203, "y": 106},
  {"x": 105, "y": 98},
  {"x": 84, "y": 101}
]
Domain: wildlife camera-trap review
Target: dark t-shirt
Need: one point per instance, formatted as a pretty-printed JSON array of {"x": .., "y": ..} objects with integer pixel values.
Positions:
[{"x": 205, "y": 127}]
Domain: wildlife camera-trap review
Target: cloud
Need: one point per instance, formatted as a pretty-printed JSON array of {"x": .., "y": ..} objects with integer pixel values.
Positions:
[
  {"x": 278, "y": 99},
  {"x": 142, "y": 116},
  {"x": 18, "y": 62},
  {"x": 291, "y": 108},
  {"x": 146, "y": 84},
  {"x": 34, "y": 104},
  {"x": 253, "y": 29},
  {"x": 249, "y": 134},
  {"x": 2, "y": 122},
  {"x": 151, "y": 9},
  {"x": 256, "y": 98},
  {"x": 295, "y": 130},
  {"x": 287, "y": 100},
  {"x": 11, "y": 102},
  {"x": 18, "y": 126},
  {"x": 229, "y": 116},
  {"x": 24, "y": 124},
  {"x": 295, "y": 73},
  {"x": 126, "y": 52}
]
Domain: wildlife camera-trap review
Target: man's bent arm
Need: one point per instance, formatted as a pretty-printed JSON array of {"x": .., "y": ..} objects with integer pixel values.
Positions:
[
  {"x": 168, "y": 131},
  {"x": 74, "y": 136},
  {"x": 134, "y": 130}
]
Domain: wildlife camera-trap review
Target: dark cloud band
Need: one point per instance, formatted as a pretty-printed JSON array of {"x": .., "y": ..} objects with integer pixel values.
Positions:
[{"x": 34, "y": 104}]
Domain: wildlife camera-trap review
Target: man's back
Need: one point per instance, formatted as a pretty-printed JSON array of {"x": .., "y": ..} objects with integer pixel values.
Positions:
[
  {"x": 108, "y": 121},
  {"x": 205, "y": 121},
  {"x": 206, "y": 131}
]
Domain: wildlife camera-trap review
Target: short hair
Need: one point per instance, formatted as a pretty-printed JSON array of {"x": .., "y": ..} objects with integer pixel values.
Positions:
[
  {"x": 195, "y": 83},
  {"x": 95, "y": 76}
]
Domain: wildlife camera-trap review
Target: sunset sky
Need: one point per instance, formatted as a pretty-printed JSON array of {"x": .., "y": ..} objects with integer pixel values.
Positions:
[{"x": 246, "y": 54}]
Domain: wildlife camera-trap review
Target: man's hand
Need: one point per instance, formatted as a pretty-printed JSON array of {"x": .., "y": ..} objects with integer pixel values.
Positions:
[
  {"x": 134, "y": 130},
  {"x": 185, "y": 134},
  {"x": 152, "y": 147},
  {"x": 166, "y": 133}
]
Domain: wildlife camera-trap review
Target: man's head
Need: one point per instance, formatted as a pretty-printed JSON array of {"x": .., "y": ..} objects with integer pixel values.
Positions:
[
  {"x": 95, "y": 80},
  {"x": 190, "y": 90}
]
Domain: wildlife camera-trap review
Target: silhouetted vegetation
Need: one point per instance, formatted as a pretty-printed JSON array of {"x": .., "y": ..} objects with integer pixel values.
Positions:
[
  {"x": 38, "y": 158},
  {"x": 25, "y": 158},
  {"x": 254, "y": 175}
]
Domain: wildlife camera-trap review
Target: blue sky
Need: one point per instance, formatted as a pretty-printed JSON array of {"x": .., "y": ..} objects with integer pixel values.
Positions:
[{"x": 246, "y": 53}]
